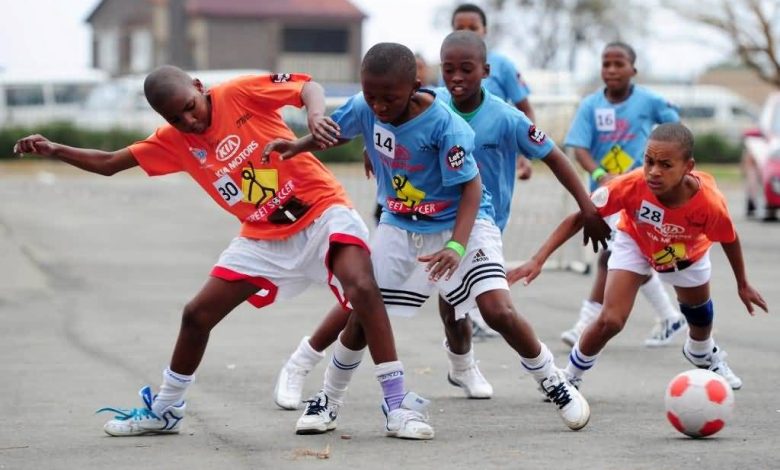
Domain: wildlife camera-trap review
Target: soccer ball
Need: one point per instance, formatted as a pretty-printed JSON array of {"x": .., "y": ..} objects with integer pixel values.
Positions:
[{"x": 698, "y": 402}]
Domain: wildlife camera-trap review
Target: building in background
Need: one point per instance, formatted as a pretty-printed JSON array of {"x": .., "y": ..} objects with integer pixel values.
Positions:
[{"x": 319, "y": 37}]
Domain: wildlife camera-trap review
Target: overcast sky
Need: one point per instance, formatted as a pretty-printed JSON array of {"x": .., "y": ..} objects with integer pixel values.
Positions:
[{"x": 46, "y": 34}]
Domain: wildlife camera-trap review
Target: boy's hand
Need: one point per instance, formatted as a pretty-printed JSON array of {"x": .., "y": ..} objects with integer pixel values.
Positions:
[
  {"x": 528, "y": 271},
  {"x": 368, "y": 168},
  {"x": 285, "y": 148},
  {"x": 324, "y": 130},
  {"x": 442, "y": 263},
  {"x": 595, "y": 230},
  {"x": 36, "y": 144},
  {"x": 750, "y": 296}
]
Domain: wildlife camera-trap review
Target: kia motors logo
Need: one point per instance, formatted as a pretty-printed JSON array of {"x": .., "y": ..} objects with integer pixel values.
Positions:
[
  {"x": 228, "y": 147},
  {"x": 670, "y": 230}
]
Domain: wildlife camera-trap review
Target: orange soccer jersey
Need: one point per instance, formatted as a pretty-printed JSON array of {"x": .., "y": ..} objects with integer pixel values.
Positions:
[
  {"x": 273, "y": 200},
  {"x": 668, "y": 237}
]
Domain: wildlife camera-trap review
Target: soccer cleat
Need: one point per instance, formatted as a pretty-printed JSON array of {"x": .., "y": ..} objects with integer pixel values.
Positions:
[
  {"x": 572, "y": 406},
  {"x": 410, "y": 420},
  {"x": 472, "y": 382},
  {"x": 319, "y": 416},
  {"x": 716, "y": 362},
  {"x": 289, "y": 386},
  {"x": 140, "y": 421},
  {"x": 664, "y": 332}
]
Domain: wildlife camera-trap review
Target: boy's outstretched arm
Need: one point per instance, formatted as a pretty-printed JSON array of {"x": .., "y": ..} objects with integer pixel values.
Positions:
[
  {"x": 95, "y": 161},
  {"x": 290, "y": 148},
  {"x": 445, "y": 261},
  {"x": 747, "y": 293},
  {"x": 531, "y": 269},
  {"x": 323, "y": 129},
  {"x": 595, "y": 229}
]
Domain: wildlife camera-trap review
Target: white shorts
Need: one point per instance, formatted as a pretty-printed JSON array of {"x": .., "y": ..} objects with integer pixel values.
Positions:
[
  {"x": 627, "y": 256},
  {"x": 612, "y": 221},
  {"x": 284, "y": 268},
  {"x": 404, "y": 282}
]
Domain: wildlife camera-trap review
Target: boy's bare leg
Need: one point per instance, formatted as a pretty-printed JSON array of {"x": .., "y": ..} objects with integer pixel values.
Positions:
[{"x": 591, "y": 307}]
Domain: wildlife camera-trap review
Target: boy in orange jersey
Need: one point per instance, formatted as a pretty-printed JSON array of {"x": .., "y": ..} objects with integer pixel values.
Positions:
[
  {"x": 298, "y": 226},
  {"x": 671, "y": 215}
]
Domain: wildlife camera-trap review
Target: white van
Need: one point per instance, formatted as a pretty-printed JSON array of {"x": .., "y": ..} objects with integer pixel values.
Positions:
[
  {"x": 31, "y": 98},
  {"x": 709, "y": 109},
  {"x": 120, "y": 103}
]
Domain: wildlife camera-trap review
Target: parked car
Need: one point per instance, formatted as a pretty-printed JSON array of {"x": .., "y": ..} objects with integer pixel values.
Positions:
[{"x": 761, "y": 162}]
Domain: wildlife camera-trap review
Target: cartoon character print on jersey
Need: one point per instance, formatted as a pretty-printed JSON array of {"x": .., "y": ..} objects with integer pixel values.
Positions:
[
  {"x": 261, "y": 187},
  {"x": 669, "y": 255},
  {"x": 409, "y": 200},
  {"x": 616, "y": 161}
]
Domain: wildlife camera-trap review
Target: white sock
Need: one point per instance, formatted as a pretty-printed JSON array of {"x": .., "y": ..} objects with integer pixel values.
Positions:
[
  {"x": 700, "y": 349},
  {"x": 653, "y": 290},
  {"x": 588, "y": 312},
  {"x": 172, "y": 390},
  {"x": 540, "y": 366},
  {"x": 459, "y": 361},
  {"x": 339, "y": 372},
  {"x": 579, "y": 362},
  {"x": 305, "y": 356}
]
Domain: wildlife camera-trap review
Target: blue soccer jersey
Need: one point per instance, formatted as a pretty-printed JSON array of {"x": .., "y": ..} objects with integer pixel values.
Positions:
[
  {"x": 504, "y": 80},
  {"x": 616, "y": 134},
  {"x": 419, "y": 165},
  {"x": 501, "y": 133}
]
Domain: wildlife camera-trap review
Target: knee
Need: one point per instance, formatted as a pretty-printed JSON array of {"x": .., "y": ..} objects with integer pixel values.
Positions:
[
  {"x": 359, "y": 287},
  {"x": 195, "y": 317},
  {"x": 499, "y": 315},
  {"x": 610, "y": 325}
]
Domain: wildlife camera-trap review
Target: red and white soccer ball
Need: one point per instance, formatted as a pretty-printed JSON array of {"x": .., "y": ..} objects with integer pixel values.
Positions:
[{"x": 699, "y": 402}]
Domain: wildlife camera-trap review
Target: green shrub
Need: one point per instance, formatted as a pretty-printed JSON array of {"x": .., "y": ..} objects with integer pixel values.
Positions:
[
  {"x": 68, "y": 134},
  {"x": 714, "y": 148}
]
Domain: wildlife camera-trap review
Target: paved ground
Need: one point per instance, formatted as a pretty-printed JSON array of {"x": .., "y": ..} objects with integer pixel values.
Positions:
[{"x": 94, "y": 273}]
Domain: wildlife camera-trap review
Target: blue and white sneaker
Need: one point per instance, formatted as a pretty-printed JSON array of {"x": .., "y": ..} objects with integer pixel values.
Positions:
[
  {"x": 319, "y": 416},
  {"x": 664, "y": 331},
  {"x": 410, "y": 420},
  {"x": 141, "y": 421}
]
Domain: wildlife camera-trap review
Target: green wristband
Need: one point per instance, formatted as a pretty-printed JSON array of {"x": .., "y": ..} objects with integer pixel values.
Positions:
[
  {"x": 456, "y": 247},
  {"x": 598, "y": 173}
]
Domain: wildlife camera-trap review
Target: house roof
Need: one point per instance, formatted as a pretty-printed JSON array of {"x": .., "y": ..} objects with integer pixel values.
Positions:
[{"x": 342, "y": 9}]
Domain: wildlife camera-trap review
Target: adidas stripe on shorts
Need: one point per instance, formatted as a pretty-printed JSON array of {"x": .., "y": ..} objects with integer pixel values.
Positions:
[{"x": 404, "y": 282}]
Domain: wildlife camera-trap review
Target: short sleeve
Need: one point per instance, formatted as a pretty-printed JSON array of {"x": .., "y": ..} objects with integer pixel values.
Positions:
[
  {"x": 532, "y": 142},
  {"x": 456, "y": 145},
  {"x": 516, "y": 89},
  {"x": 664, "y": 111},
  {"x": 720, "y": 227},
  {"x": 161, "y": 152},
  {"x": 347, "y": 116},
  {"x": 273, "y": 91},
  {"x": 582, "y": 130},
  {"x": 612, "y": 197}
]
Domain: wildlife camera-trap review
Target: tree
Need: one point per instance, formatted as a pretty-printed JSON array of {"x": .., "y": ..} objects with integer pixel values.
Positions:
[{"x": 752, "y": 26}]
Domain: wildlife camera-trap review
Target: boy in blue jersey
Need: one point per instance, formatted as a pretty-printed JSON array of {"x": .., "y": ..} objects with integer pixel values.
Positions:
[
  {"x": 434, "y": 207},
  {"x": 501, "y": 133},
  {"x": 609, "y": 134}
]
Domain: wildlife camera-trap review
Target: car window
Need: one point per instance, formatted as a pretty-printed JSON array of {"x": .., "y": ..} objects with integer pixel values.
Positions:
[
  {"x": 696, "y": 112},
  {"x": 24, "y": 95},
  {"x": 70, "y": 93},
  {"x": 739, "y": 112}
]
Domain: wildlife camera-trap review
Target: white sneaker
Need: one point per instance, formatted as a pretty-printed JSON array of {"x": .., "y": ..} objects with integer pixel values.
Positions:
[
  {"x": 572, "y": 406},
  {"x": 716, "y": 362},
  {"x": 410, "y": 421},
  {"x": 664, "y": 331},
  {"x": 319, "y": 416},
  {"x": 480, "y": 328},
  {"x": 570, "y": 336},
  {"x": 140, "y": 421},
  {"x": 289, "y": 386},
  {"x": 472, "y": 382}
]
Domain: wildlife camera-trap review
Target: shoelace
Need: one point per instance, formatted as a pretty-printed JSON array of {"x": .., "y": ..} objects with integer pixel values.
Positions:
[
  {"x": 315, "y": 406},
  {"x": 559, "y": 395},
  {"x": 135, "y": 413},
  {"x": 410, "y": 415}
]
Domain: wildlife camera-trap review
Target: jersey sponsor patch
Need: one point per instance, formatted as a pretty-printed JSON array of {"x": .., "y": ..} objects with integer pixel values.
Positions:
[
  {"x": 600, "y": 197},
  {"x": 281, "y": 77},
  {"x": 456, "y": 156},
  {"x": 536, "y": 136}
]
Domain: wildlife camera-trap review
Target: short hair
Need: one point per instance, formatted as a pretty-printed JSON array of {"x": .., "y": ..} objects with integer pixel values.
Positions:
[
  {"x": 468, "y": 39},
  {"x": 622, "y": 45},
  {"x": 469, "y": 8},
  {"x": 163, "y": 82},
  {"x": 390, "y": 58},
  {"x": 677, "y": 133}
]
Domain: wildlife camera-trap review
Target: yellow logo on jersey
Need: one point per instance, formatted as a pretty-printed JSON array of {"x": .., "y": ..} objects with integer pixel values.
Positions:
[
  {"x": 671, "y": 254},
  {"x": 406, "y": 192},
  {"x": 258, "y": 186},
  {"x": 616, "y": 160}
]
